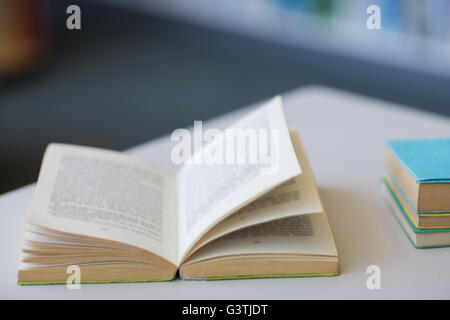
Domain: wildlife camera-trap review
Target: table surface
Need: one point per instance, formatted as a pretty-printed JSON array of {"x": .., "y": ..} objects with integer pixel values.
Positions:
[{"x": 344, "y": 136}]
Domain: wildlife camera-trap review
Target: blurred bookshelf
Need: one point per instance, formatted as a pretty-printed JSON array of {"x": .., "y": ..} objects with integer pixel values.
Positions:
[
  {"x": 415, "y": 34},
  {"x": 23, "y": 41}
]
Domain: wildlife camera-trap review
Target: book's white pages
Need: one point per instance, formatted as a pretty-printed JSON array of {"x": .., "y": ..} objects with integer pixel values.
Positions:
[
  {"x": 297, "y": 196},
  {"x": 107, "y": 195},
  {"x": 293, "y": 223},
  {"x": 308, "y": 235},
  {"x": 208, "y": 193}
]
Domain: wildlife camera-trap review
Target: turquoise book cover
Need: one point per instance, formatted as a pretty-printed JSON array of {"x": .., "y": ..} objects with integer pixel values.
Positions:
[{"x": 427, "y": 160}]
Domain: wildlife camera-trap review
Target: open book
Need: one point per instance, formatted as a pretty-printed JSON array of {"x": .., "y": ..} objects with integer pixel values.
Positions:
[{"x": 122, "y": 219}]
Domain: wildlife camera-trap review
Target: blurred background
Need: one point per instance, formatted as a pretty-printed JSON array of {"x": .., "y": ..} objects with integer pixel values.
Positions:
[{"x": 138, "y": 69}]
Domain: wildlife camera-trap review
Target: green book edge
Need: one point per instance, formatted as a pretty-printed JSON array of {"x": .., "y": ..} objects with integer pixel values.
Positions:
[
  {"x": 27, "y": 283},
  {"x": 408, "y": 221},
  {"x": 301, "y": 275}
]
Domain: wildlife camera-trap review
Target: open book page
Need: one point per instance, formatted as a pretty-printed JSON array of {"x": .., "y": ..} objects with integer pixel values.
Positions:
[
  {"x": 295, "y": 197},
  {"x": 108, "y": 195},
  {"x": 305, "y": 235},
  {"x": 210, "y": 192}
]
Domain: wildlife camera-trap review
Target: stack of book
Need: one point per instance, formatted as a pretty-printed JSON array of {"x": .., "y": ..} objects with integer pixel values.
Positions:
[{"x": 416, "y": 187}]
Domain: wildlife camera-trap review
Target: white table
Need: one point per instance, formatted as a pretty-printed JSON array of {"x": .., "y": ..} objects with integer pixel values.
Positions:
[{"x": 344, "y": 137}]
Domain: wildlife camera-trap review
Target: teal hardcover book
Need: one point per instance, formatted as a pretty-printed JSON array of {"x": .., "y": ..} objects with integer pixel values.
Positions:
[
  {"x": 421, "y": 170},
  {"x": 427, "y": 160}
]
